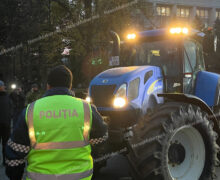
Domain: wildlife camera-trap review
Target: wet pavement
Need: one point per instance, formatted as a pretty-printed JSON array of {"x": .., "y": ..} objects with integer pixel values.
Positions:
[
  {"x": 115, "y": 168},
  {"x": 2, "y": 173}
]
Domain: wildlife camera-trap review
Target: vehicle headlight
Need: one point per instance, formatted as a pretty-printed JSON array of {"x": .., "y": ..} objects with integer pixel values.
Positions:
[
  {"x": 120, "y": 99},
  {"x": 119, "y": 102}
]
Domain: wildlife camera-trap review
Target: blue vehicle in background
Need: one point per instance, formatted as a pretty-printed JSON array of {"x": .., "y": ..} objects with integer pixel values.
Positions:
[{"x": 161, "y": 104}]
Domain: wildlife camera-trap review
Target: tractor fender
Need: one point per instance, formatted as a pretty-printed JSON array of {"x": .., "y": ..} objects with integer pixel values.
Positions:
[
  {"x": 191, "y": 99},
  {"x": 149, "y": 102}
]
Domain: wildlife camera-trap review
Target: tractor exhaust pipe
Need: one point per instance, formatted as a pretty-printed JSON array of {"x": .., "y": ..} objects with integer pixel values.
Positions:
[
  {"x": 116, "y": 43},
  {"x": 114, "y": 59}
]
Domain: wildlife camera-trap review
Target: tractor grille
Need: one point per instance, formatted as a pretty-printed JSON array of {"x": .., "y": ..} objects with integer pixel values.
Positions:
[{"x": 102, "y": 96}]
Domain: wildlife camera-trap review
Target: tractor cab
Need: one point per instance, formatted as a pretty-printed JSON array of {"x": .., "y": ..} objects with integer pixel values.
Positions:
[
  {"x": 176, "y": 51},
  {"x": 153, "y": 65}
]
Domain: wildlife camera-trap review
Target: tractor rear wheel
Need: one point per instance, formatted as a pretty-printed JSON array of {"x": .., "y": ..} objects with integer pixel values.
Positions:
[{"x": 177, "y": 141}]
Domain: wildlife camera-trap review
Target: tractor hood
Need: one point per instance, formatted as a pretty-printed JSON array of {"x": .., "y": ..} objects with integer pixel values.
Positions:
[
  {"x": 119, "y": 75},
  {"x": 104, "y": 86}
]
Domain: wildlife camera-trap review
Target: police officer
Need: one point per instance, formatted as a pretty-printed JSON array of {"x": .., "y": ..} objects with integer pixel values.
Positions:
[{"x": 54, "y": 133}]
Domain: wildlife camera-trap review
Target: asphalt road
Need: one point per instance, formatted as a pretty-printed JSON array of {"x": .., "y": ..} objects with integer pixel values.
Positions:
[
  {"x": 2, "y": 169},
  {"x": 119, "y": 169}
]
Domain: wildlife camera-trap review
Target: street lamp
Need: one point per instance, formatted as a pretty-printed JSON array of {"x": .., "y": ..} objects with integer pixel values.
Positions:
[{"x": 13, "y": 86}]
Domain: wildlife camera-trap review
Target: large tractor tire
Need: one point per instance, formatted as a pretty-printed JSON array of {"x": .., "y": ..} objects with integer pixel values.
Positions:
[{"x": 176, "y": 141}]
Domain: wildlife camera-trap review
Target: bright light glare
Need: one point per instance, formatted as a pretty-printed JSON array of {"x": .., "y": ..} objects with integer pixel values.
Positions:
[
  {"x": 172, "y": 30},
  {"x": 185, "y": 30},
  {"x": 119, "y": 102},
  {"x": 179, "y": 30},
  {"x": 13, "y": 86},
  {"x": 86, "y": 128},
  {"x": 131, "y": 36},
  {"x": 88, "y": 99}
]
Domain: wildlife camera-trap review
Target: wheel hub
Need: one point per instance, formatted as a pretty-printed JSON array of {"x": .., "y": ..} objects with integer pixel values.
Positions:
[
  {"x": 176, "y": 154},
  {"x": 186, "y": 154}
]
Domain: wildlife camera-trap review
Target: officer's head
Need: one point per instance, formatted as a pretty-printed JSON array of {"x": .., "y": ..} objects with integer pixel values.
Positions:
[{"x": 60, "y": 76}]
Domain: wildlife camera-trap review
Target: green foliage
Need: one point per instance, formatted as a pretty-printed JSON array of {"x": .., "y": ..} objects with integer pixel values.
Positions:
[{"x": 22, "y": 21}]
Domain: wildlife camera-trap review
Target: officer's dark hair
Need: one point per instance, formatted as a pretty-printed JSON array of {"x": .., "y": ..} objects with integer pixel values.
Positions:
[{"x": 60, "y": 76}]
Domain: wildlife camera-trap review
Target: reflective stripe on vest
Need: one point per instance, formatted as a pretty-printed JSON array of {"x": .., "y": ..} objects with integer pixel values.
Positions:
[
  {"x": 59, "y": 145},
  {"x": 38, "y": 176}
]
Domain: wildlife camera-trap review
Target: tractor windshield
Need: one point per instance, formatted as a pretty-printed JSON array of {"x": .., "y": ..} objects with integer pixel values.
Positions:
[{"x": 164, "y": 54}]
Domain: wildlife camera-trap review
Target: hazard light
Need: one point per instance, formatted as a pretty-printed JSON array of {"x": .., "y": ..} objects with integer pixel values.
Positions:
[
  {"x": 119, "y": 102},
  {"x": 131, "y": 36},
  {"x": 179, "y": 30}
]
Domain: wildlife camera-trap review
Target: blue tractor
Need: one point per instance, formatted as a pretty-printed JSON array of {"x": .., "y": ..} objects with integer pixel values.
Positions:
[{"x": 161, "y": 105}]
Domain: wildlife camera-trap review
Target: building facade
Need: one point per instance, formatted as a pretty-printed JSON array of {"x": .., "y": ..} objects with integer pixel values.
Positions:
[{"x": 164, "y": 10}]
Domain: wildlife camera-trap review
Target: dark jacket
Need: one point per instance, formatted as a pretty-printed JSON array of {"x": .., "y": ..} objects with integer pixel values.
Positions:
[
  {"x": 18, "y": 100},
  {"x": 5, "y": 108},
  {"x": 18, "y": 145}
]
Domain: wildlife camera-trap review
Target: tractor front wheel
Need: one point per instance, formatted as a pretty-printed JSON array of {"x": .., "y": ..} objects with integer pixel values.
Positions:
[{"x": 176, "y": 141}]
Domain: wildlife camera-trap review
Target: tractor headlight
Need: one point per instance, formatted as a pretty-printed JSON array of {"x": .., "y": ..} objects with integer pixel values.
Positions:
[
  {"x": 119, "y": 102},
  {"x": 179, "y": 30},
  {"x": 120, "y": 97},
  {"x": 131, "y": 36}
]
